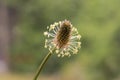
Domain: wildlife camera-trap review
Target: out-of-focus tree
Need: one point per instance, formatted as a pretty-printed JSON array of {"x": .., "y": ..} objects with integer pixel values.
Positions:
[
  {"x": 7, "y": 21},
  {"x": 4, "y": 37}
]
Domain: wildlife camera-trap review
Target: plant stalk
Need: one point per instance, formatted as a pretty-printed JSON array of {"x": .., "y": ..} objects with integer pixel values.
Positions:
[{"x": 42, "y": 64}]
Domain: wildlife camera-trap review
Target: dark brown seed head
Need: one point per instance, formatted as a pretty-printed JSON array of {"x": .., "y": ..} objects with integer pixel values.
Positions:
[{"x": 63, "y": 34}]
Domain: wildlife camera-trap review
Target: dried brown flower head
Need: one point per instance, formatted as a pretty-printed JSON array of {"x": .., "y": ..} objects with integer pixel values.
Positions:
[{"x": 64, "y": 37}]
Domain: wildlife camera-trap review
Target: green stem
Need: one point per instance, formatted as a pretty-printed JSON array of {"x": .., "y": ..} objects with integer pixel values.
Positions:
[{"x": 42, "y": 64}]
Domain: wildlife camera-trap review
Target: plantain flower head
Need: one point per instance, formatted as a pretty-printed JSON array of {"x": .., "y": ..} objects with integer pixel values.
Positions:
[{"x": 63, "y": 37}]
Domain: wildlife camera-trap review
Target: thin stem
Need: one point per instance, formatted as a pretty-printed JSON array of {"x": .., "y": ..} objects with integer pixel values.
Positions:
[{"x": 42, "y": 64}]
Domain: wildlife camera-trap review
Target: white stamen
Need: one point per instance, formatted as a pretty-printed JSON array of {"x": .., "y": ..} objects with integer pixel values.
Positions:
[
  {"x": 57, "y": 51},
  {"x": 45, "y": 33}
]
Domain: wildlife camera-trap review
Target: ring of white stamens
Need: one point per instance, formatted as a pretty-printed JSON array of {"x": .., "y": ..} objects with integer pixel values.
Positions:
[{"x": 71, "y": 47}]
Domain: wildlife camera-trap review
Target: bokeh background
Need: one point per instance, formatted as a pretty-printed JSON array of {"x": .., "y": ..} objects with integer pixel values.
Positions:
[{"x": 22, "y": 23}]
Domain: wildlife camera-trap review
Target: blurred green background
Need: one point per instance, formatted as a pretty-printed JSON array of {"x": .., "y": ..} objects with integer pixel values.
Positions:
[{"x": 98, "y": 22}]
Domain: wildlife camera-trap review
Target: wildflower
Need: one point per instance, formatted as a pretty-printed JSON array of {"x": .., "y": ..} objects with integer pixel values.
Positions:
[{"x": 64, "y": 37}]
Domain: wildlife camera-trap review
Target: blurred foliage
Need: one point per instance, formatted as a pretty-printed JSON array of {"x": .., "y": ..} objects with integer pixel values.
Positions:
[
  {"x": 28, "y": 46},
  {"x": 98, "y": 21}
]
